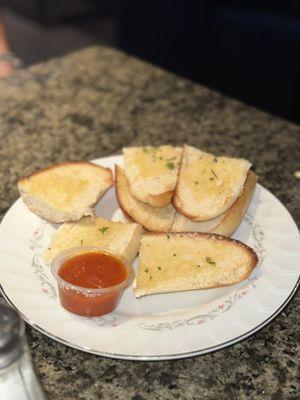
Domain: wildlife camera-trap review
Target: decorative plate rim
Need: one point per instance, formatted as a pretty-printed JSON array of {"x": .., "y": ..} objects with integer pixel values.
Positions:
[{"x": 164, "y": 357}]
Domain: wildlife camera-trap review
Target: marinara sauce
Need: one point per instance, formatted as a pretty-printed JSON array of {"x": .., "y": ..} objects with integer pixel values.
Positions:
[{"x": 102, "y": 278}]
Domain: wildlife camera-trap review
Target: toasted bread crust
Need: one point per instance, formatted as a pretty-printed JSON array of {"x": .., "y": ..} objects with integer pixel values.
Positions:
[
  {"x": 233, "y": 218},
  {"x": 227, "y": 223},
  {"x": 63, "y": 164},
  {"x": 160, "y": 200},
  {"x": 176, "y": 201},
  {"x": 148, "y": 224},
  {"x": 226, "y": 226},
  {"x": 214, "y": 236}
]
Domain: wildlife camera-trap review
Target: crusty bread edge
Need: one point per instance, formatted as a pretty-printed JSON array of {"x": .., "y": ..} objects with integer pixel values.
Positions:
[
  {"x": 234, "y": 216},
  {"x": 231, "y": 220},
  {"x": 62, "y": 164},
  {"x": 160, "y": 200},
  {"x": 117, "y": 187},
  {"x": 176, "y": 199},
  {"x": 123, "y": 208},
  {"x": 209, "y": 236},
  {"x": 154, "y": 200},
  {"x": 253, "y": 257}
]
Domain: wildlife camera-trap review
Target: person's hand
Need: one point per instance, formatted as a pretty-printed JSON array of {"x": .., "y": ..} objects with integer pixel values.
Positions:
[{"x": 6, "y": 69}]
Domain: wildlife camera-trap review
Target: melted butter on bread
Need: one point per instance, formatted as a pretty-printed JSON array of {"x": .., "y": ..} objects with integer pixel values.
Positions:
[
  {"x": 188, "y": 261},
  {"x": 66, "y": 188},
  {"x": 119, "y": 237},
  {"x": 208, "y": 185},
  {"x": 66, "y": 191},
  {"x": 150, "y": 161},
  {"x": 152, "y": 172},
  {"x": 151, "y": 218}
]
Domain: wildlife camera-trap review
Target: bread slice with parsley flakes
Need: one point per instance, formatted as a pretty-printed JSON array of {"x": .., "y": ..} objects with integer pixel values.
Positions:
[
  {"x": 225, "y": 224},
  {"x": 158, "y": 219},
  {"x": 66, "y": 191},
  {"x": 119, "y": 237},
  {"x": 152, "y": 172},
  {"x": 208, "y": 186},
  {"x": 166, "y": 219},
  {"x": 189, "y": 261}
]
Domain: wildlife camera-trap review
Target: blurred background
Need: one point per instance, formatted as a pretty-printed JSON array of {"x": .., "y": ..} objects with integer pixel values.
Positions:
[{"x": 245, "y": 49}]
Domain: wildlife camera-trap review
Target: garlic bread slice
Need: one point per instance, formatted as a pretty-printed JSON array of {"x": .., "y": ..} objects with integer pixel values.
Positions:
[
  {"x": 187, "y": 261},
  {"x": 208, "y": 186},
  {"x": 119, "y": 237},
  {"x": 152, "y": 218},
  {"x": 67, "y": 191},
  {"x": 152, "y": 173}
]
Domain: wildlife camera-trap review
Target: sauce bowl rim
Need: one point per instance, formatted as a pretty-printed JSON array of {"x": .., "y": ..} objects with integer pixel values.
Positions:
[{"x": 73, "y": 252}]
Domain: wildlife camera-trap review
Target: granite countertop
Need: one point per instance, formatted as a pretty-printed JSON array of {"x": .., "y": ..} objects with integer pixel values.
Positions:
[{"x": 91, "y": 103}]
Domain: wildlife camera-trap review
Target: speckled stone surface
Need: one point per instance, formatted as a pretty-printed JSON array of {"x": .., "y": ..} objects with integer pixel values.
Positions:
[{"x": 91, "y": 103}]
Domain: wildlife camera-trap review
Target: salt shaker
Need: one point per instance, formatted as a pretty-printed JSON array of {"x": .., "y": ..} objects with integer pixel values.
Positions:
[{"x": 18, "y": 380}]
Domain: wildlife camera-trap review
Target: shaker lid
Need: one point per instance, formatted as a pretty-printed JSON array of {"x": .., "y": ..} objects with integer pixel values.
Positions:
[{"x": 11, "y": 335}]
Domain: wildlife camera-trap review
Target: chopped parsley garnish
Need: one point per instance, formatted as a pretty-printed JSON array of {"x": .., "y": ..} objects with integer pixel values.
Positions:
[
  {"x": 198, "y": 265},
  {"x": 170, "y": 165},
  {"x": 145, "y": 150},
  {"x": 214, "y": 174},
  {"x": 81, "y": 242},
  {"x": 168, "y": 236},
  {"x": 150, "y": 277},
  {"x": 104, "y": 229},
  {"x": 215, "y": 160},
  {"x": 146, "y": 270},
  {"x": 211, "y": 179},
  {"x": 196, "y": 182},
  {"x": 210, "y": 261},
  {"x": 159, "y": 268},
  {"x": 174, "y": 255}
]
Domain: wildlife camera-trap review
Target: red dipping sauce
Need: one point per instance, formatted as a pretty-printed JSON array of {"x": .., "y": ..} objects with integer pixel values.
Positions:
[{"x": 90, "y": 282}]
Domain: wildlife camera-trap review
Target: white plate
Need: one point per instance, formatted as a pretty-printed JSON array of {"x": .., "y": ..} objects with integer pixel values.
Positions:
[{"x": 158, "y": 327}]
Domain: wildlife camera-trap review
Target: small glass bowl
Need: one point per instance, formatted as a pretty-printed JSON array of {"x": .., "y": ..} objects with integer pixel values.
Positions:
[{"x": 85, "y": 301}]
